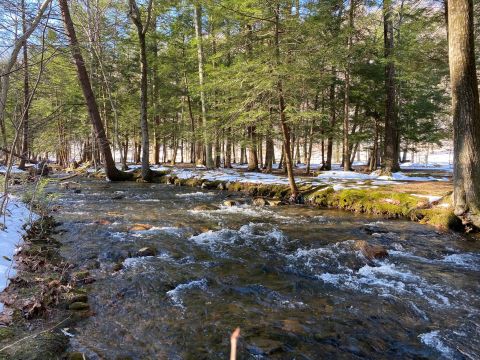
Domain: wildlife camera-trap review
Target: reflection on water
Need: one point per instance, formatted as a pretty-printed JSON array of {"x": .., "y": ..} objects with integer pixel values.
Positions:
[{"x": 290, "y": 277}]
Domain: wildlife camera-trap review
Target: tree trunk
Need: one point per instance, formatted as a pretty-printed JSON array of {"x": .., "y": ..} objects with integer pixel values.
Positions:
[
  {"x": 333, "y": 120},
  {"x": 466, "y": 110},
  {"x": 283, "y": 118},
  {"x": 198, "y": 32},
  {"x": 26, "y": 93},
  {"x": 252, "y": 149},
  {"x": 110, "y": 169},
  {"x": 135, "y": 15},
  {"x": 346, "y": 113},
  {"x": 390, "y": 157},
  {"x": 269, "y": 149}
]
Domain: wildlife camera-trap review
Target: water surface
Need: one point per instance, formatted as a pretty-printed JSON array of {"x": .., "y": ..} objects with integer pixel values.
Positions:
[{"x": 288, "y": 276}]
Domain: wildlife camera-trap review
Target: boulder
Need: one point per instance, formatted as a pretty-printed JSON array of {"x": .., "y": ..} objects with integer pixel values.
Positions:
[
  {"x": 371, "y": 251},
  {"x": 260, "y": 202},
  {"x": 146, "y": 251}
]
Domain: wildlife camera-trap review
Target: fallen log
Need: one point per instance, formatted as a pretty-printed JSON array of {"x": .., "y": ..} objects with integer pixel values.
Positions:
[{"x": 21, "y": 157}]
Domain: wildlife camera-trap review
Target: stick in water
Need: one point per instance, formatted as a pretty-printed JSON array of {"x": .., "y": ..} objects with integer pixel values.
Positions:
[{"x": 233, "y": 343}]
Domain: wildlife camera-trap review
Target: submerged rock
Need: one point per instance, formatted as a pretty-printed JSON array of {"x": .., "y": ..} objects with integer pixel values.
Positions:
[
  {"x": 140, "y": 227},
  {"x": 371, "y": 251},
  {"x": 205, "y": 207},
  {"x": 265, "y": 346},
  {"x": 103, "y": 222},
  {"x": 147, "y": 251},
  {"x": 78, "y": 306}
]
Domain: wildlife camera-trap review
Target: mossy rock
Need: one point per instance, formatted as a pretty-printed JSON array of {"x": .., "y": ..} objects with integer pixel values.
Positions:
[
  {"x": 76, "y": 356},
  {"x": 47, "y": 345},
  {"x": 81, "y": 275},
  {"x": 321, "y": 197},
  {"x": 6, "y": 333},
  {"x": 388, "y": 204},
  {"x": 79, "y": 306},
  {"x": 441, "y": 218},
  {"x": 73, "y": 298}
]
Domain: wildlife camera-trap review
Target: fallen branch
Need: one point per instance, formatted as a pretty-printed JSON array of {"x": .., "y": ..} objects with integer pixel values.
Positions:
[{"x": 31, "y": 161}]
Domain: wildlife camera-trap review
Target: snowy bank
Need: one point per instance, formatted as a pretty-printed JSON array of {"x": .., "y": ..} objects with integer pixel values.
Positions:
[{"x": 17, "y": 214}]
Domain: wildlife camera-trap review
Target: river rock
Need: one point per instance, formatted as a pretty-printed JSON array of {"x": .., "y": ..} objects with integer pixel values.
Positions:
[
  {"x": 147, "y": 251},
  {"x": 230, "y": 203},
  {"x": 371, "y": 251},
  {"x": 79, "y": 306},
  {"x": 274, "y": 202},
  {"x": 76, "y": 356},
  {"x": 81, "y": 275},
  {"x": 75, "y": 298},
  {"x": 140, "y": 227},
  {"x": 205, "y": 207},
  {"x": 260, "y": 202},
  {"x": 293, "y": 326},
  {"x": 103, "y": 222},
  {"x": 265, "y": 346}
]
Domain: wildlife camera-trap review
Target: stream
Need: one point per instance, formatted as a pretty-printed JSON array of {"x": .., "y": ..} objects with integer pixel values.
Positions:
[{"x": 288, "y": 276}]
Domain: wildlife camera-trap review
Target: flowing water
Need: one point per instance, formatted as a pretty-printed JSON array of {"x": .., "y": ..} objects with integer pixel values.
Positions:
[{"x": 288, "y": 276}]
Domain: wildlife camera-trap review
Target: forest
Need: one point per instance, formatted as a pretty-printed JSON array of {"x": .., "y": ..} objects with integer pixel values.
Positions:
[{"x": 334, "y": 151}]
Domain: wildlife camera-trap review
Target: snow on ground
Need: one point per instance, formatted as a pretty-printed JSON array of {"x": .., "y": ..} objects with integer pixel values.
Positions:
[
  {"x": 13, "y": 170},
  {"x": 16, "y": 215},
  {"x": 336, "y": 178}
]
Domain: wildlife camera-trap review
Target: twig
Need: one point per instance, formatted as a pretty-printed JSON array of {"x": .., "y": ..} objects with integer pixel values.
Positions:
[{"x": 35, "y": 335}]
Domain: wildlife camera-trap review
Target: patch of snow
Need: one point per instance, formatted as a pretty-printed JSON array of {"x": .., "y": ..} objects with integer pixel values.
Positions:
[
  {"x": 13, "y": 170},
  {"x": 431, "y": 198},
  {"x": 17, "y": 214}
]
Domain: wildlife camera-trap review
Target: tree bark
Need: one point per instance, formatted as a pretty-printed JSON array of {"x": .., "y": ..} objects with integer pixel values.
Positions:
[
  {"x": 346, "y": 114},
  {"x": 283, "y": 118},
  {"x": 26, "y": 93},
  {"x": 198, "y": 31},
  {"x": 466, "y": 110},
  {"x": 333, "y": 120},
  {"x": 134, "y": 13},
  {"x": 390, "y": 157},
  {"x": 110, "y": 169}
]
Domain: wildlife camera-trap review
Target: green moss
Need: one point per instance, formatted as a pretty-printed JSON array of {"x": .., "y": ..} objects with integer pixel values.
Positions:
[
  {"x": 390, "y": 204},
  {"x": 6, "y": 333},
  {"x": 442, "y": 218},
  {"x": 321, "y": 196}
]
